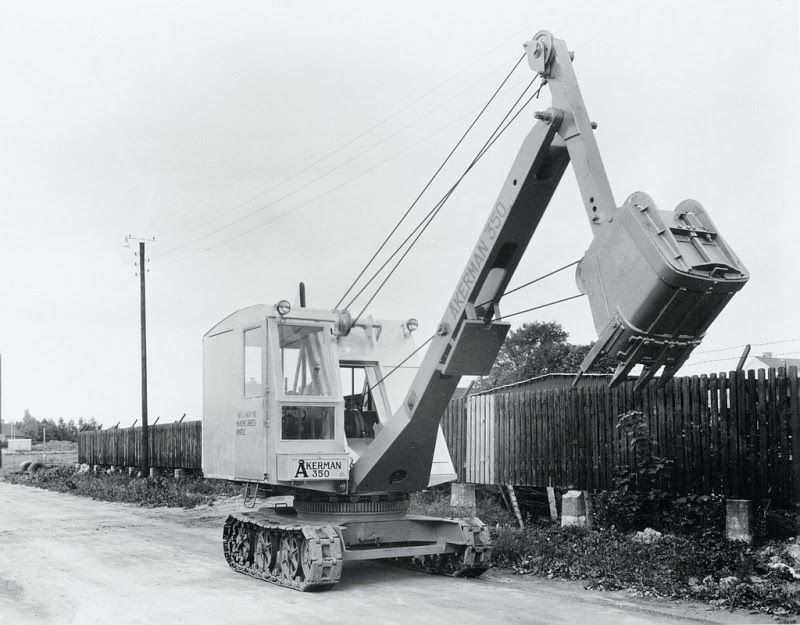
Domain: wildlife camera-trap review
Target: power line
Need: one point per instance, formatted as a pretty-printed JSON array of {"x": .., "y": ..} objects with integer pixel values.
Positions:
[
  {"x": 304, "y": 186},
  {"x": 703, "y": 362},
  {"x": 343, "y": 146},
  {"x": 323, "y": 194},
  {"x": 724, "y": 349},
  {"x": 428, "y": 184}
]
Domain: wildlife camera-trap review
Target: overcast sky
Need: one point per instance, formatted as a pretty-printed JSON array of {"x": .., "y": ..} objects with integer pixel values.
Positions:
[{"x": 265, "y": 143}]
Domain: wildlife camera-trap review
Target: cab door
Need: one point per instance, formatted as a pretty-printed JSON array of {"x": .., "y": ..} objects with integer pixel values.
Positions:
[{"x": 250, "y": 437}]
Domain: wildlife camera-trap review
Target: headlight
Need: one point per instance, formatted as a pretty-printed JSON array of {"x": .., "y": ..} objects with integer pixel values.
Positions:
[
  {"x": 409, "y": 326},
  {"x": 283, "y": 307}
]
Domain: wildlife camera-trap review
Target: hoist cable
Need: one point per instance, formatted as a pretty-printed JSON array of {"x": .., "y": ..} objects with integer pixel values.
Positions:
[
  {"x": 396, "y": 367},
  {"x": 423, "y": 225},
  {"x": 566, "y": 299},
  {"x": 432, "y": 213},
  {"x": 433, "y": 177},
  {"x": 435, "y": 211},
  {"x": 522, "y": 286}
]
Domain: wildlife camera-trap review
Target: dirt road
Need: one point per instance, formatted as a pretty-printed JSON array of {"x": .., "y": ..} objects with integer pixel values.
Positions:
[{"x": 64, "y": 559}]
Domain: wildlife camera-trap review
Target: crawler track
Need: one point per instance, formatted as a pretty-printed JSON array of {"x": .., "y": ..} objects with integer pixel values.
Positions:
[
  {"x": 302, "y": 556},
  {"x": 471, "y": 560},
  {"x": 294, "y": 555}
]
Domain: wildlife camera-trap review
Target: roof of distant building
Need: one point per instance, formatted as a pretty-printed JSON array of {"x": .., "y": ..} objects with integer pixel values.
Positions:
[
  {"x": 552, "y": 380},
  {"x": 770, "y": 362}
]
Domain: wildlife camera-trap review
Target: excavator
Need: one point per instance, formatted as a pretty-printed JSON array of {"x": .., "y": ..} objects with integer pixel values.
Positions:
[{"x": 337, "y": 420}]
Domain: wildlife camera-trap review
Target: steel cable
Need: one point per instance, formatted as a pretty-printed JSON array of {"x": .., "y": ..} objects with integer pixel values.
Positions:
[
  {"x": 428, "y": 184},
  {"x": 426, "y": 221}
]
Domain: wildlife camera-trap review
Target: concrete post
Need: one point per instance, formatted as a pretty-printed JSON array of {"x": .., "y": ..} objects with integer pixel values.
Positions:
[
  {"x": 739, "y": 520},
  {"x": 179, "y": 474},
  {"x": 153, "y": 472},
  {"x": 462, "y": 495},
  {"x": 587, "y": 496},
  {"x": 131, "y": 471},
  {"x": 573, "y": 509}
]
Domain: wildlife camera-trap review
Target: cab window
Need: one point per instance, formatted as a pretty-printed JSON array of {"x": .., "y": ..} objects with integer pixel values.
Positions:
[
  {"x": 304, "y": 361},
  {"x": 254, "y": 344}
]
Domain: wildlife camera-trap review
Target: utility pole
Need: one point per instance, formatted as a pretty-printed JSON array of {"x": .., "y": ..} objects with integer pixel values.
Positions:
[{"x": 143, "y": 316}]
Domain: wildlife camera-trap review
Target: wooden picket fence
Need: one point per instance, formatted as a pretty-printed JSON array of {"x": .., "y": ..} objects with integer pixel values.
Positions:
[
  {"x": 171, "y": 445},
  {"x": 736, "y": 434}
]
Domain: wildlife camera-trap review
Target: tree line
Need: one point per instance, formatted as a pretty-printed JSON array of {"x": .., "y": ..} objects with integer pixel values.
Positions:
[
  {"x": 57, "y": 430},
  {"x": 536, "y": 349}
]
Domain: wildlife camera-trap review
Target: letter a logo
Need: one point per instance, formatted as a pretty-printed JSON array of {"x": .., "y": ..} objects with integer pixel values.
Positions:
[{"x": 301, "y": 469}]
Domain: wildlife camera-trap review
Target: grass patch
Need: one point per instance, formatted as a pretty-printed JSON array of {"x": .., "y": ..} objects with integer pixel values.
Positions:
[
  {"x": 149, "y": 492},
  {"x": 55, "y": 446}
]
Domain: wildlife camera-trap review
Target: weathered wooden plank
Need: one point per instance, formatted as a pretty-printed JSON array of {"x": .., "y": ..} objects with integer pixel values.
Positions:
[
  {"x": 529, "y": 433},
  {"x": 785, "y": 468},
  {"x": 670, "y": 440},
  {"x": 713, "y": 397},
  {"x": 762, "y": 432},
  {"x": 593, "y": 466},
  {"x": 536, "y": 476},
  {"x": 511, "y": 415},
  {"x": 469, "y": 475},
  {"x": 734, "y": 439},
  {"x": 483, "y": 452},
  {"x": 571, "y": 417},
  {"x": 696, "y": 448},
  {"x": 519, "y": 417},
  {"x": 504, "y": 438},
  {"x": 772, "y": 431},
  {"x": 617, "y": 446},
  {"x": 705, "y": 435},
  {"x": 558, "y": 474},
  {"x": 752, "y": 446}
]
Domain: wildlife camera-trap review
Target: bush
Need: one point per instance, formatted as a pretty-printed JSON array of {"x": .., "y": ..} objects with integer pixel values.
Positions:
[
  {"x": 630, "y": 511},
  {"x": 709, "y": 568}
]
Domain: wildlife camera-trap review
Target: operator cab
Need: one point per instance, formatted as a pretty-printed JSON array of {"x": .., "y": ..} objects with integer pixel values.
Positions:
[{"x": 290, "y": 399}]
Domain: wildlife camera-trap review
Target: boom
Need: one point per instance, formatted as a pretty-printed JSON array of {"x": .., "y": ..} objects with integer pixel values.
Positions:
[{"x": 655, "y": 280}]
